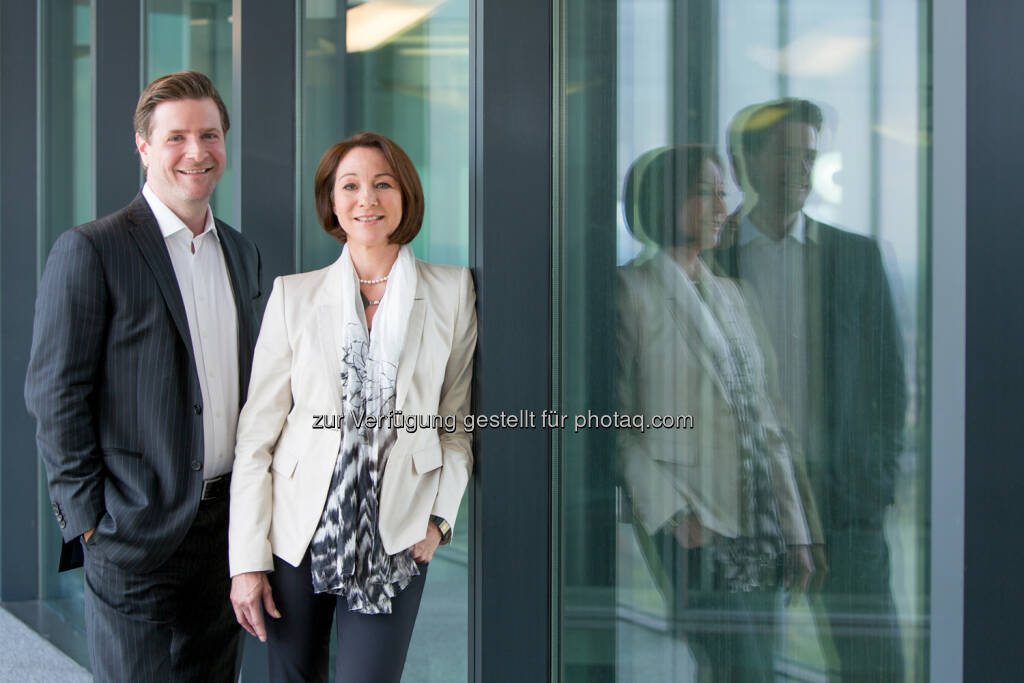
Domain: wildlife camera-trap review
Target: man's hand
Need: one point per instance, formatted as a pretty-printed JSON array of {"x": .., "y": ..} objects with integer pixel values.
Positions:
[
  {"x": 424, "y": 550},
  {"x": 799, "y": 568},
  {"x": 250, "y": 595},
  {"x": 88, "y": 534}
]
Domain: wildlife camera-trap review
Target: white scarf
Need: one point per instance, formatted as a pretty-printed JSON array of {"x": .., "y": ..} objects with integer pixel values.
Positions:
[
  {"x": 347, "y": 555},
  {"x": 722, "y": 331}
]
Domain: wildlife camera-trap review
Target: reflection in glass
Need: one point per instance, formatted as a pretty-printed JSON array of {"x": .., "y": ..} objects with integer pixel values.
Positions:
[
  {"x": 399, "y": 68},
  {"x": 825, "y": 299},
  {"x": 404, "y": 73},
  {"x": 66, "y": 148},
  {"x": 195, "y": 34},
  {"x": 715, "y": 504},
  {"x": 821, "y": 112}
]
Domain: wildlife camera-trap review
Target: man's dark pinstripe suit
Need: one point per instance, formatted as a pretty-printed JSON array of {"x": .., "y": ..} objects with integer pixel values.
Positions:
[{"x": 113, "y": 386}]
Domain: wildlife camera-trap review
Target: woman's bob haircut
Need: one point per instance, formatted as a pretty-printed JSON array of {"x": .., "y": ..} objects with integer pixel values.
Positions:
[{"x": 405, "y": 173}]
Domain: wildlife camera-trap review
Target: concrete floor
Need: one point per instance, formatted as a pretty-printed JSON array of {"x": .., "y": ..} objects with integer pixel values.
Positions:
[
  {"x": 26, "y": 657},
  {"x": 438, "y": 651}
]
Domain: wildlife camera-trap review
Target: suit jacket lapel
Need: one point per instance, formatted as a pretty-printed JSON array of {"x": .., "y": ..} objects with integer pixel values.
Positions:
[
  {"x": 150, "y": 240},
  {"x": 243, "y": 301}
]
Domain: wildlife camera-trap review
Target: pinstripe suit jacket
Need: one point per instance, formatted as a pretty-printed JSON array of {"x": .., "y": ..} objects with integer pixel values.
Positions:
[
  {"x": 862, "y": 394},
  {"x": 113, "y": 387}
]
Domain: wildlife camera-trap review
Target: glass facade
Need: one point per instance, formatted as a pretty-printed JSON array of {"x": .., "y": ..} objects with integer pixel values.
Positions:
[
  {"x": 743, "y": 334},
  {"x": 66, "y": 152},
  {"x": 403, "y": 73},
  {"x": 195, "y": 34},
  {"x": 743, "y": 250},
  {"x": 401, "y": 70}
]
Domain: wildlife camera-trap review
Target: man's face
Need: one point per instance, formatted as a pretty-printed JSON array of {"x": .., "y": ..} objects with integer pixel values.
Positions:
[
  {"x": 781, "y": 170},
  {"x": 184, "y": 155}
]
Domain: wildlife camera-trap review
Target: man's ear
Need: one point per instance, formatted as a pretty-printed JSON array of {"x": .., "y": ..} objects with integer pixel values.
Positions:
[{"x": 143, "y": 146}]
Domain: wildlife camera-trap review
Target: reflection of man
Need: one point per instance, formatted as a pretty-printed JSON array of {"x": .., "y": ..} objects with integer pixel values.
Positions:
[
  {"x": 144, "y": 331},
  {"x": 824, "y": 297}
]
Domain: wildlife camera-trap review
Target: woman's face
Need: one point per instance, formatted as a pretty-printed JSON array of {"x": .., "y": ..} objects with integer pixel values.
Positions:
[
  {"x": 367, "y": 199},
  {"x": 704, "y": 212}
]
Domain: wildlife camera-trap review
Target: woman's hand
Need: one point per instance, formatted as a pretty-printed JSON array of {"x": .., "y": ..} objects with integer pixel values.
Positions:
[
  {"x": 799, "y": 569},
  {"x": 250, "y": 595},
  {"x": 820, "y": 566},
  {"x": 423, "y": 551},
  {"x": 691, "y": 534}
]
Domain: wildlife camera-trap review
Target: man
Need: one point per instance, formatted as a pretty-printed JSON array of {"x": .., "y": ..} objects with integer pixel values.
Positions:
[
  {"x": 144, "y": 331},
  {"x": 825, "y": 301}
]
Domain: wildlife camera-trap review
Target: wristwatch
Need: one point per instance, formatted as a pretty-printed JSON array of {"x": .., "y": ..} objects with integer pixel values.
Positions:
[{"x": 444, "y": 527}]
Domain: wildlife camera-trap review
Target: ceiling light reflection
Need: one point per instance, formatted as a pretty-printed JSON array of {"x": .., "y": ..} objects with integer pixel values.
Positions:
[{"x": 370, "y": 25}]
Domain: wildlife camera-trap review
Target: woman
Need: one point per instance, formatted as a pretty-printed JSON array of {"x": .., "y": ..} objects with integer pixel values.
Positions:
[
  {"x": 337, "y": 505},
  {"x": 718, "y": 509}
]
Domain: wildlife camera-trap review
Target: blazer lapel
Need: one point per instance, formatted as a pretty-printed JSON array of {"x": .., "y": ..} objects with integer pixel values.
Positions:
[
  {"x": 695, "y": 342},
  {"x": 150, "y": 240},
  {"x": 410, "y": 349},
  {"x": 243, "y": 301},
  {"x": 681, "y": 312},
  {"x": 329, "y": 322}
]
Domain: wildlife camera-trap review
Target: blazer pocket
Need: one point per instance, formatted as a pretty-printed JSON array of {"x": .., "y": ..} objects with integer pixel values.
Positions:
[
  {"x": 427, "y": 459},
  {"x": 284, "y": 463}
]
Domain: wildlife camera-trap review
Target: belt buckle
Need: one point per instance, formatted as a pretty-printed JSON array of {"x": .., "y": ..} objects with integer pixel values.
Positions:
[{"x": 210, "y": 486}]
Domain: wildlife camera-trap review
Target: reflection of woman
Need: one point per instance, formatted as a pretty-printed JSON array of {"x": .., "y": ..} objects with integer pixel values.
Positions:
[
  {"x": 717, "y": 504},
  {"x": 344, "y": 521}
]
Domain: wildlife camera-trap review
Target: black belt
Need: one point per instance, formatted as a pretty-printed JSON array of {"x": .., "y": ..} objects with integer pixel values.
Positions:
[{"x": 217, "y": 488}]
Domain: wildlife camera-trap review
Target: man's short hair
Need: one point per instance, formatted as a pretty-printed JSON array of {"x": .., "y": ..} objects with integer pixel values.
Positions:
[
  {"x": 752, "y": 128},
  {"x": 405, "y": 173},
  {"x": 183, "y": 85}
]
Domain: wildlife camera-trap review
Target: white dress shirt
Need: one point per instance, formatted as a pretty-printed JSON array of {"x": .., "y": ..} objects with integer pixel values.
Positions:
[
  {"x": 205, "y": 287},
  {"x": 776, "y": 272}
]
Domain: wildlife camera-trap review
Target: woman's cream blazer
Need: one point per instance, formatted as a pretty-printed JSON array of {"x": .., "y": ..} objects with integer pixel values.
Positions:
[
  {"x": 665, "y": 368},
  {"x": 284, "y": 462}
]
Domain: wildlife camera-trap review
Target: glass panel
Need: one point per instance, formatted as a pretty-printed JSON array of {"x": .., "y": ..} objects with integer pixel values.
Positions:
[
  {"x": 195, "y": 34},
  {"x": 65, "y": 157},
  {"x": 742, "y": 199},
  {"x": 404, "y": 73}
]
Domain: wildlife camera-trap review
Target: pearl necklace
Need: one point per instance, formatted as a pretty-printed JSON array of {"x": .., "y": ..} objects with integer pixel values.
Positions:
[{"x": 373, "y": 282}]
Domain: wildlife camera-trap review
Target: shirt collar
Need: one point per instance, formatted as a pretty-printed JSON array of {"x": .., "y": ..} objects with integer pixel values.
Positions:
[
  {"x": 802, "y": 231},
  {"x": 168, "y": 221}
]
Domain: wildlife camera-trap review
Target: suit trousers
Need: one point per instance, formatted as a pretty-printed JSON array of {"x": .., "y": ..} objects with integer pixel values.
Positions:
[
  {"x": 858, "y": 597},
  {"x": 174, "y": 623},
  {"x": 371, "y": 647}
]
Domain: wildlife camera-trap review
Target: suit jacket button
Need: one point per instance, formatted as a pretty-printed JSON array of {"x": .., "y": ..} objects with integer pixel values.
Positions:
[
  {"x": 196, "y": 465},
  {"x": 198, "y": 409},
  {"x": 62, "y": 524}
]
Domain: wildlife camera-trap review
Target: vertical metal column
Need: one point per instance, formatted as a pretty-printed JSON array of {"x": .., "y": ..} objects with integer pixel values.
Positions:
[
  {"x": 19, "y": 524},
  {"x": 510, "y": 254},
  {"x": 263, "y": 145},
  {"x": 263, "y": 110},
  {"x": 994, "y": 431},
  {"x": 117, "y": 82}
]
